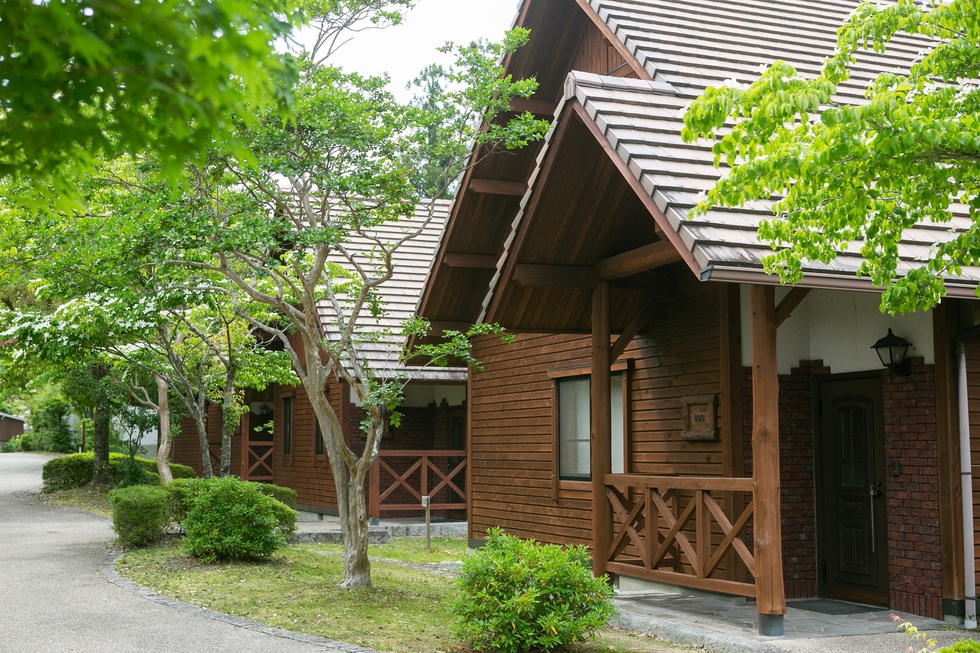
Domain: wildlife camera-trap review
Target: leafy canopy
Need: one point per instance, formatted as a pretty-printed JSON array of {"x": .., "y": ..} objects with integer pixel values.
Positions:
[
  {"x": 83, "y": 81},
  {"x": 866, "y": 172}
]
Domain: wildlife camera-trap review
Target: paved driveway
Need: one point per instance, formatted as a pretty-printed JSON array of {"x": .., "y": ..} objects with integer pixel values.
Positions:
[{"x": 53, "y": 597}]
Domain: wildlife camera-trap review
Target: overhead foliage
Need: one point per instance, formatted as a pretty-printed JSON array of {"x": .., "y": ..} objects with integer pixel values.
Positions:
[
  {"x": 86, "y": 81},
  {"x": 867, "y": 171}
]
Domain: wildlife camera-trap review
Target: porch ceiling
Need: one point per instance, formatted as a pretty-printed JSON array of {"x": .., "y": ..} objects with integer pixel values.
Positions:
[{"x": 581, "y": 210}]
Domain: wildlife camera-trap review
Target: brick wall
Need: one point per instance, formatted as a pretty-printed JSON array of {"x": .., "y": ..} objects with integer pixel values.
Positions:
[{"x": 912, "y": 497}]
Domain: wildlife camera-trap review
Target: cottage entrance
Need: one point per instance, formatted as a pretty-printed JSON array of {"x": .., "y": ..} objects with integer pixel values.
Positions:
[{"x": 853, "y": 543}]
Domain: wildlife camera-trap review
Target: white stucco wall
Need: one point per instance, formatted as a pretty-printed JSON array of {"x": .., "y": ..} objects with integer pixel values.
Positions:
[
  {"x": 419, "y": 395},
  {"x": 839, "y": 328}
]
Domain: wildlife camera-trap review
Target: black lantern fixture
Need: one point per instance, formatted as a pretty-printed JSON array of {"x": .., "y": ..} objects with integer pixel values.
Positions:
[{"x": 891, "y": 351}]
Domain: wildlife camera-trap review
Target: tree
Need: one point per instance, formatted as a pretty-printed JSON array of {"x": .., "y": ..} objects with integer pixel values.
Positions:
[
  {"x": 865, "y": 172},
  {"x": 312, "y": 231},
  {"x": 84, "y": 82}
]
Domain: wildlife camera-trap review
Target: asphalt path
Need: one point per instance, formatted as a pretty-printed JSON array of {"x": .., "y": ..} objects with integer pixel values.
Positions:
[{"x": 58, "y": 594}]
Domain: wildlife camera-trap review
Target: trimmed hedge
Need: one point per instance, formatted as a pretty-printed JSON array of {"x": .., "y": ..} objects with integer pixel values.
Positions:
[
  {"x": 75, "y": 470},
  {"x": 231, "y": 519},
  {"x": 140, "y": 514},
  {"x": 286, "y": 495}
]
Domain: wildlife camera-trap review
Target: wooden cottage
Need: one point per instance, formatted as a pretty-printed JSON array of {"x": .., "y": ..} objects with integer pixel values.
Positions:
[
  {"x": 424, "y": 456},
  {"x": 666, "y": 402},
  {"x": 10, "y": 427}
]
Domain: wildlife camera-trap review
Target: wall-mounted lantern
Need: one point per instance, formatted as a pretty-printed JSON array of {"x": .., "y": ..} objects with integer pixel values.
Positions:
[{"x": 891, "y": 351}]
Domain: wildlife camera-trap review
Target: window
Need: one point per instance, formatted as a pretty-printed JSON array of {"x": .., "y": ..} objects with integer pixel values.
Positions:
[
  {"x": 318, "y": 445},
  {"x": 574, "y": 425},
  {"x": 287, "y": 425},
  {"x": 573, "y": 413}
]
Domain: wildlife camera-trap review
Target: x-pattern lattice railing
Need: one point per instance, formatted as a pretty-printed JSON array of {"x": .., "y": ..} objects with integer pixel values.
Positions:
[
  {"x": 665, "y": 529},
  {"x": 260, "y": 462},
  {"x": 433, "y": 472}
]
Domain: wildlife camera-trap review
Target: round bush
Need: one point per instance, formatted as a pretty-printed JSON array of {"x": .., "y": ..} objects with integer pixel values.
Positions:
[
  {"x": 140, "y": 514},
  {"x": 231, "y": 519},
  {"x": 518, "y": 595}
]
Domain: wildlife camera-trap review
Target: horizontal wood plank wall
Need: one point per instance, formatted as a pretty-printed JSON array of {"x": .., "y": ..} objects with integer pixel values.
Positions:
[
  {"x": 973, "y": 387},
  {"x": 303, "y": 470},
  {"x": 187, "y": 448},
  {"x": 596, "y": 55},
  {"x": 511, "y": 416}
]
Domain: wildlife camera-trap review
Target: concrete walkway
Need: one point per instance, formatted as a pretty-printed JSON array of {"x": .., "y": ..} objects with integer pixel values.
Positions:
[{"x": 53, "y": 596}]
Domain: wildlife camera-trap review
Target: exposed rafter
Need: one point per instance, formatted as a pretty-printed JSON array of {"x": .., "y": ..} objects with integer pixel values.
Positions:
[
  {"x": 637, "y": 260},
  {"x": 476, "y": 261},
  {"x": 498, "y": 187},
  {"x": 554, "y": 276},
  {"x": 537, "y": 107}
]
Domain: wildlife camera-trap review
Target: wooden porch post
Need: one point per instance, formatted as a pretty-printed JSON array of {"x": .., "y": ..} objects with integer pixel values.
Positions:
[
  {"x": 771, "y": 597},
  {"x": 601, "y": 427}
]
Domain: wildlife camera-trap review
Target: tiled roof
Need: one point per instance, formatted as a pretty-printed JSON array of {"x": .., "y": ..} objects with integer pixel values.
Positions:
[
  {"x": 642, "y": 123},
  {"x": 687, "y": 45},
  {"x": 400, "y": 294}
]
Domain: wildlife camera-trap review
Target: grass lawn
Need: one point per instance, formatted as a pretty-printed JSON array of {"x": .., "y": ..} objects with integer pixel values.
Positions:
[
  {"x": 89, "y": 498},
  {"x": 406, "y": 610}
]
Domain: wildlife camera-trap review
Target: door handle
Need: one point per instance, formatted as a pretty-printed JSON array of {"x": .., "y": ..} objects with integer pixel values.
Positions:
[{"x": 873, "y": 491}]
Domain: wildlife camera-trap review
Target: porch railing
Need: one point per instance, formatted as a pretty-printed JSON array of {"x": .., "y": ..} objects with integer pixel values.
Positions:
[
  {"x": 399, "y": 479},
  {"x": 674, "y": 529}
]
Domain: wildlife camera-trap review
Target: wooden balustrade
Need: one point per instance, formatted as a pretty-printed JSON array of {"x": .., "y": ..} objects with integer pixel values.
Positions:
[
  {"x": 424, "y": 476},
  {"x": 674, "y": 530}
]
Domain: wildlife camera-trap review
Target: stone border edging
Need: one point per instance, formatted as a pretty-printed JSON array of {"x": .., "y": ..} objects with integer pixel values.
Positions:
[{"x": 108, "y": 571}]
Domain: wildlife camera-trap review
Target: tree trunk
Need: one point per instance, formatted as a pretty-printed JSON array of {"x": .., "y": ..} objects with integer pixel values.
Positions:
[
  {"x": 354, "y": 527},
  {"x": 229, "y": 422},
  {"x": 163, "y": 441},
  {"x": 100, "y": 434},
  {"x": 202, "y": 435}
]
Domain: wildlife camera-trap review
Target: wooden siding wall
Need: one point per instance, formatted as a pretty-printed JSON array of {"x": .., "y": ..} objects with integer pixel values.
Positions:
[
  {"x": 511, "y": 431},
  {"x": 596, "y": 55},
  {"x": 302, "y": 470},
  {"x": 187, "y": 446}
]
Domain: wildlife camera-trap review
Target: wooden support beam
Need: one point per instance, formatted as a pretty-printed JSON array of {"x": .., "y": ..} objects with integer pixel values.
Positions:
[
  {"x": 554, "y": 276},
  {"x": 602, "y": 526},
  {"x": 770, "y": 593},
  {"x": 537, "y": 107},
  {"x": 477, "y": 261},
  {"x": 640, "y": 320},
  {"x": 636, "y": 260},
  {"x": 444, "y": 325},
  {"x": 789, "y": 304},
  {"x": 498, "y": 187}
]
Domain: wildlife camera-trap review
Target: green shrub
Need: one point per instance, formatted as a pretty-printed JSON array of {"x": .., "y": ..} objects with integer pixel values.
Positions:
[
  {"x": 964, "y": 646},
  {"x": 231, "y": 519},
  {"x": 140, "y": 514},
  {"x": 29, "y": 442},
  {"x": 182, "y": 492},
  {"x": 13, "y": 445},
  {"x": 286, "y": 495},
  {"x": 48, "y": 419},
  {"x": 75, "y": 470},
  {"x": 518, "y": 595}
]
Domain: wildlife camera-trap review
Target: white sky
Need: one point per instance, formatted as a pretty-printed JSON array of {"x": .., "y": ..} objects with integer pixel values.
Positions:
[{"x": 403, "y": 51}]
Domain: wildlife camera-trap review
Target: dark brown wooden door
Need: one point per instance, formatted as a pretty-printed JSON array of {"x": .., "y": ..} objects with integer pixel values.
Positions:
[{"x": 850, "y": 491}]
